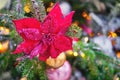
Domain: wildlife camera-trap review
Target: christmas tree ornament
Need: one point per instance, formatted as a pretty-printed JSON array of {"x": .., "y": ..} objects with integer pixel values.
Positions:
[
  {"x": 4, "y": 46},
  {"x": 56, "y": 62},
  {"x": 62, "y": 73},
  {"x": 48, "y": 38},
  {"x": 23, "y": 78}
]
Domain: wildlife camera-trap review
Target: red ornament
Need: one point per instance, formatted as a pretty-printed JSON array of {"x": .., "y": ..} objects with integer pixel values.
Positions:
[
  {"x": 62, "y": 73},
  {"x": 47, "y": 38}
]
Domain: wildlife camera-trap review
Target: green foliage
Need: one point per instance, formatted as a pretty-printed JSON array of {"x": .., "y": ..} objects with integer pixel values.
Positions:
[
  {"x": 95, "y": 64},
  {"x": 42, "y": 71},
  {"x": 32, "y": 69},
  {"x": 7, "y": 62}
]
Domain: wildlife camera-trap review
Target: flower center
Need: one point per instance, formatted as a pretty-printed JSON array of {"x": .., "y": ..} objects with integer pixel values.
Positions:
[{"x": 47, "y": 38}]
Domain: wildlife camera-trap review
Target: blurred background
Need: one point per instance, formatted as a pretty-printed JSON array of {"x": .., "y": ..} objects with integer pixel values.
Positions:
[{"x": 97, "y": 21}]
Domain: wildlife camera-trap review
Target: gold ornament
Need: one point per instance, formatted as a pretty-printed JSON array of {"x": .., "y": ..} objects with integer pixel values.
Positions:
[
  {"x": 4, "y": 46},
  {"x": 56, "y": 62},
  {"x": 23, "y": 78}
]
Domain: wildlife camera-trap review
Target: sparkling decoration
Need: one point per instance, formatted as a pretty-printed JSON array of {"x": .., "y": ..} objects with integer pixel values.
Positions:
[
  {"x": 62, "y": 73},
  {"x": 4, "y": 46},
  {"x": 56, "y": 62},
  {"x": 48, "y": 39}
]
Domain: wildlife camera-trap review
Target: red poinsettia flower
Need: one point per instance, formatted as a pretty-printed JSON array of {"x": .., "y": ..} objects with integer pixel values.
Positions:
[{"x": 47, "y": 38}]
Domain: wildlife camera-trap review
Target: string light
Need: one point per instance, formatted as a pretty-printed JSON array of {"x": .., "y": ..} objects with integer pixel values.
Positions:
[
  {"x": 76, "y": 23},
  {"x": 4, "y": 31},
  {"x": 0, "y": 46},
  {"x": 82, "y": 55},
  {"x": 112, "y": 34},
  {"x": 50, "y": 7},
  {"x": 86, "y": 16},
  {"x": 27, "y": 8},
  {"x": 69, "y": 52},
  {"x": 118, "y": 54},
  {"x": 75, "y": 54},
  {"x": 1, "y": 28},
  {"x": 4, "y": 46},
  {"x": 86, "y": 39}
]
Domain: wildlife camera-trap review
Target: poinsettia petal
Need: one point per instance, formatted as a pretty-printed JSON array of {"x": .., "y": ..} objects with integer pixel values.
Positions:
[
  {"x": 35, "y": 51},
  {"x": 25, "y": 47},
  {"x": 62, "y": 43},
  {"x": 56, "y": 10},
  {"x": 44, "y": 56},
  {"x": 54, "y": 52},
  {"x": 39, "y": 49},
  {"x": 68, "y": 19},
  {"x": 24, "y": 28},
  {"x": 31, "y": 33},
  {"x": 27, "y": 23},
  {"x": 56, "y": 22},
  {"x": 66, "y": 22},
  {"x": 53, "y": 19}
]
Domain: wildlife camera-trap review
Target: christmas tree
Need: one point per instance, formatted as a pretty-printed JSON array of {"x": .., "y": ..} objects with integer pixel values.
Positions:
[{"x": 59, "y": 40}]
